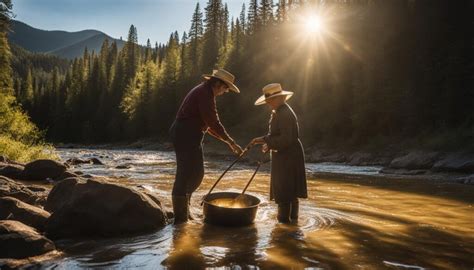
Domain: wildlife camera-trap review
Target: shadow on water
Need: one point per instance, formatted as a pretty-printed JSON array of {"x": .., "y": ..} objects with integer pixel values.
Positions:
[
  {"x": 413, "y": 247},
  {"x": 446, "y": 190}
]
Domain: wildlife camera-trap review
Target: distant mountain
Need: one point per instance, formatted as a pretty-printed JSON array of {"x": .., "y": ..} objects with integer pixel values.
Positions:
[
  {"x": 93, "y": 43},
  {"x": 60, "y": 43}
]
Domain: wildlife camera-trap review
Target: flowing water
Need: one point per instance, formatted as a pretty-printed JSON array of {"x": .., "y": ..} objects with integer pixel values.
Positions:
[{"x": 349, "y": 223}]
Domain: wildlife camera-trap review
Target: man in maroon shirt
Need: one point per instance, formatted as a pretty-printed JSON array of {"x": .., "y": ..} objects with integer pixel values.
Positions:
[{"x": 196, "y": 116}]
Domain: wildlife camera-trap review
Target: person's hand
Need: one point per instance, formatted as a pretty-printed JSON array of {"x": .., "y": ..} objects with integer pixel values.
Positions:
[
  {"x": 258, "y": 140},
  {"x": 236, "y": 149},
  {"x": 265, "y": 148}
]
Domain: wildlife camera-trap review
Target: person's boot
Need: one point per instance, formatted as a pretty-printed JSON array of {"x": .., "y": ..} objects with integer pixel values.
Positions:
[
  {"x": 188, "y": 198},
  {"x": 294, "y": 212},
  {"x": 283, "y": 215},
  {"x": 180, "y": 209}
]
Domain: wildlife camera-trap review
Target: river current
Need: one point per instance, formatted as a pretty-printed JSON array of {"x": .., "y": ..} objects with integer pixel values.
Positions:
[{"x": 363, "y": 222}]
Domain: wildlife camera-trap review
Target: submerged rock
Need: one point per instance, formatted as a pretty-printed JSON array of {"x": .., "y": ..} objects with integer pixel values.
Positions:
[
  {"x": 96, "y": 207},
  {"x": 43, "y": 169},
  {"x": 14, "y": 209},
  {"x": 96, "y": 161},
  {"x": 77, "y": 161},
  {"x": 18, "y": 241}
]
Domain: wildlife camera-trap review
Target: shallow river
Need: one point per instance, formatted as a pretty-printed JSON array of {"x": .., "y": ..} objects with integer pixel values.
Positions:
[{"x": 356, "y": 223}]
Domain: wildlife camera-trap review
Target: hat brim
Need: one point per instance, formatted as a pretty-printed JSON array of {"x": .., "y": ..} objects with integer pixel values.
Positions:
[
  {"x": 232, "y": 86},
  {"x": 262, "y": 99}
]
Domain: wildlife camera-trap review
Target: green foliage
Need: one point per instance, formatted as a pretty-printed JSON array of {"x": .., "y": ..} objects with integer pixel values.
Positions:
[
  {"x": 21, "y": 152},
  {"x": 20, "y": 139}
]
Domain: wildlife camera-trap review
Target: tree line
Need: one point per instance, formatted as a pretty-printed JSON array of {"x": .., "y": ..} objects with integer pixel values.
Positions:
[{"x": 378, "y": 72}]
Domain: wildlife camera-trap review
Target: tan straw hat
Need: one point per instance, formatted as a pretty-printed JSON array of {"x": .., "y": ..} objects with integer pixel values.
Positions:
[
  {"x": 224, "y": 76},
  {"x": 270, "y": 91}
]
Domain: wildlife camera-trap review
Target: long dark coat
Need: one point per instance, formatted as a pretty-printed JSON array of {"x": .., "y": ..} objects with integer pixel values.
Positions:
[{"x": 288, "y": 177}]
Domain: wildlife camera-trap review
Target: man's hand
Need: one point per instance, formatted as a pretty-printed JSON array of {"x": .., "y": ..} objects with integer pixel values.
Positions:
[
  {"x": 236, "y": 148},
  {"x": 258, "y": 140}
]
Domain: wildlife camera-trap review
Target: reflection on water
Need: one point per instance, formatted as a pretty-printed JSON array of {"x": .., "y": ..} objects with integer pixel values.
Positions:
[
  {"x": 344, "y": 224},
  {"x": 230, "y": 202}
]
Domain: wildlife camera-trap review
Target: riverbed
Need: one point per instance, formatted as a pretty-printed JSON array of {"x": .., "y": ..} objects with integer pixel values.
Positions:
[{"x": 365, "y": 222}]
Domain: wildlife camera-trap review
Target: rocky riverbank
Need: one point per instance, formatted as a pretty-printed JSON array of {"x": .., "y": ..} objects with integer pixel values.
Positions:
[
  {"x": 42, "y": 202},
  {"x": 453, "y": 166},
  {"x": 404, "y": 163}
]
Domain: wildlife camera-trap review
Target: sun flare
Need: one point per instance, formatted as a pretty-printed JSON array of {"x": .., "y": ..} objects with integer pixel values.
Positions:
[{"x": 313, "y": 24}]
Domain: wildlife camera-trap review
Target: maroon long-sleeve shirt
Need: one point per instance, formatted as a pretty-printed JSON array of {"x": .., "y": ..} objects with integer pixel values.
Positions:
[{"x": 199, "y": 106}]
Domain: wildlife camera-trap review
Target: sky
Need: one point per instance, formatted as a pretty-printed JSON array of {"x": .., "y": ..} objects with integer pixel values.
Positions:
[{"x": 154, "y": 19}]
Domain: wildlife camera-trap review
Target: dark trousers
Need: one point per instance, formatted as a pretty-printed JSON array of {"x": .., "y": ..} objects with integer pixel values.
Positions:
[{"x": 187, "y": 142}]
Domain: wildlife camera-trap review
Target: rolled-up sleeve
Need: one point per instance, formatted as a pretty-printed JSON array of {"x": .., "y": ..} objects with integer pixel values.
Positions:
[
  {"x": 208, "y": 112},
  {"x": 286, "y": 135}
]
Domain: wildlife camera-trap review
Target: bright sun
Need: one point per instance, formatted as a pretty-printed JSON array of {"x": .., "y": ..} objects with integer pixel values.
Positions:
[{"x": 313, "y": 24}]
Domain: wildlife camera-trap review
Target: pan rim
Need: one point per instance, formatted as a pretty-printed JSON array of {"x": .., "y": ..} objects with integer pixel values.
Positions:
[{"x": 206, "y": 202}]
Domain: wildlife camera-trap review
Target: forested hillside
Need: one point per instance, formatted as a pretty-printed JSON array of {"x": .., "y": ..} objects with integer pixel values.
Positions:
[{"x": 375, "y": 73}]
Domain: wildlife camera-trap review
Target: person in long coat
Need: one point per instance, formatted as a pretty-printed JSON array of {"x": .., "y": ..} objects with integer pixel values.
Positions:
[
  {"x": 288, "y": 177},
  {"x": 197, "y": 116}
]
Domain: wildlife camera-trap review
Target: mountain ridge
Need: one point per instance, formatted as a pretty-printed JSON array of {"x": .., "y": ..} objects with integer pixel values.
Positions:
[{"x": 58, "y": 42}]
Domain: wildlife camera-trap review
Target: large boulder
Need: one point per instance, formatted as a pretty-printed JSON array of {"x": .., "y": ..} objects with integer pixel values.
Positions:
[
  {"x": 17, "y": 190},
  {"x": 18, "y": 241},
  {"x": 11, "y": 170},
  {"x": 456, "y": 162},
  {"x": 60, "y": 194},
  {"x": 95, "y": 207},
  {"x": 43, "y": 169},
  {"x": 417, "y": 160},
  {"x": 14, "y": 209}
]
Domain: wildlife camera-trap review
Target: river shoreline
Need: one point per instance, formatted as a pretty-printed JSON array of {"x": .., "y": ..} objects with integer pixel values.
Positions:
[{"x": 454, "y": 167}]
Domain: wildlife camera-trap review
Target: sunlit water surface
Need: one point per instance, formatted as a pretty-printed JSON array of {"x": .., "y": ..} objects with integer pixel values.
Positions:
[{"x": 363, "y": 223}]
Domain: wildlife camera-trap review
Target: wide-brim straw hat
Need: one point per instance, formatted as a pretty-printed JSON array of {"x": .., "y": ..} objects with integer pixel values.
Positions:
[
  {"x": 224, "y": 76},
  {"x": 272, "y": 90}
]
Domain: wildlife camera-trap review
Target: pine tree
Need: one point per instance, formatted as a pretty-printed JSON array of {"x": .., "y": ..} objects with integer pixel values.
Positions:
[
  {"x": 27, "y": 92},
  {"x": 265, "y": 12},
  {"x": 224, "y": 25},
  {"x": 281, "y": 13},
  {"x": 132, "y": 53},
  {"x": 171, "y": 61},
  {"x": 148, "y": 53},
  {"x": 243, "y": 25},
  {"x": 252, "y": 17},
  {"x": 184, "y": 64},
  {"x": 195, "y": 35},
  {"x": 6, "y": 82},
  {"x": 211, "y": 34}
]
